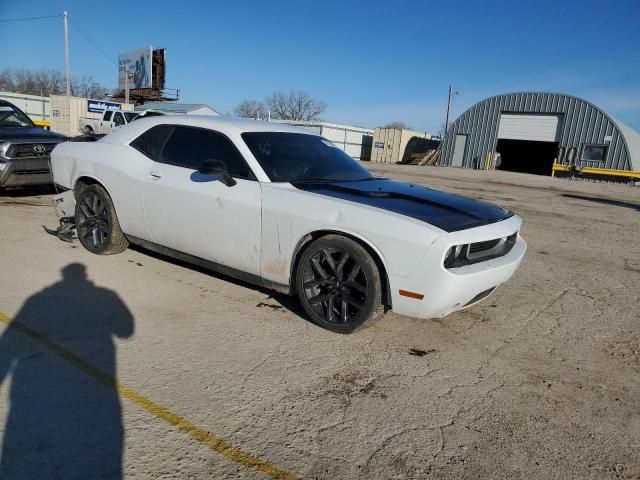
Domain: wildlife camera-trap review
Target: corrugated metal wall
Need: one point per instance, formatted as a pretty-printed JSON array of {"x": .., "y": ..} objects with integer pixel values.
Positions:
[
  {"x": 392, "y": 145},
  {"x": 355, "y": 141},
  {"x": 580, "y": 123},
  {"x": 36, "y": 107}
]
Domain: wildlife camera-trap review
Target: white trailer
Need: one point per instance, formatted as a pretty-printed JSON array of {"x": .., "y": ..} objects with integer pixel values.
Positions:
[{"x": 35, "y": 106}]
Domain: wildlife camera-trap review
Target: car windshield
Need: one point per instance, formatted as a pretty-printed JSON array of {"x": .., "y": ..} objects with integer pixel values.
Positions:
[
  {"x": 130, "y": 116},
  {"x": 298, "y": 157},
  {"x": 12, "y": 117}
]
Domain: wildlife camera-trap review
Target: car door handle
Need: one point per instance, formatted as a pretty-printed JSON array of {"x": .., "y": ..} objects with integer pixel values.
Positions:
[{"x": 155, "y": 175}]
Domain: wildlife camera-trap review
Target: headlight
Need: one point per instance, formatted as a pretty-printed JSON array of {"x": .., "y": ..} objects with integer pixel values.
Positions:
[
  {"x": 456, "y": 256},
  {"x": 467, "y": 254},
  {"x": 3, "y": 149}
]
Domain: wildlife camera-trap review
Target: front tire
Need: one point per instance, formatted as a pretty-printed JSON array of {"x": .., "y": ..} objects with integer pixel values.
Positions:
[
  {"x": 338, "y": 284},
  {"x": 96, "y": 222}
]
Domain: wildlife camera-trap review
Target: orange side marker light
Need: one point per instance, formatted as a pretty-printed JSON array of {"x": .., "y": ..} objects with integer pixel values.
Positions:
[{"x": 407, "y": 293}]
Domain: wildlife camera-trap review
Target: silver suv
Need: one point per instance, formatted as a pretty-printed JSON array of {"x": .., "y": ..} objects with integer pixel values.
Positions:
[{"x": 24, "y": 149}]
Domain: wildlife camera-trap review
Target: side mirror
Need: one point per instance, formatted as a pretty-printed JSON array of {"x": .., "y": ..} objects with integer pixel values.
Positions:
[{"x": 217, "y": 168}]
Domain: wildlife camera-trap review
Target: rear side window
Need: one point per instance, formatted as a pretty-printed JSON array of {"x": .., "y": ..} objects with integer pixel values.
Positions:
[
  {"x": 188, "y": 147},
  {"x": 151, "y": 142},
  {"x": 107, "y": 116}
]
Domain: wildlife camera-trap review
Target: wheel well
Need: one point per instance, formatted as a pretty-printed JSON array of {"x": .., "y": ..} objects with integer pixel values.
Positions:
[
  {"x": 310, "y": 237},
  {"x": 83, "y": 182}
]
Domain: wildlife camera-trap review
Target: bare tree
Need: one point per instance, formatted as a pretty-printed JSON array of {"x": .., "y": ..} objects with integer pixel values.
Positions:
[
  {"x": 87, "y": 87},
  {"x": 48, "y": 82},
  {"x": 295, "y": 105},
  {"x": 396, "y": 125},
  {"x": 251, "y": 109},
  {"x": 6, "y": 81}
]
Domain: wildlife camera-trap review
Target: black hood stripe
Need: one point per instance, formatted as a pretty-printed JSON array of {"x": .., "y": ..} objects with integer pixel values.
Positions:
[{"x": 446, "y": 211}]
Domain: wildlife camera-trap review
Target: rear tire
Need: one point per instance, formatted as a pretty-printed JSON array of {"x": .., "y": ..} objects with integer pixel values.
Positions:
[
  {"x": 96, "y": 222},
  {"x": 338, "y": 284}
]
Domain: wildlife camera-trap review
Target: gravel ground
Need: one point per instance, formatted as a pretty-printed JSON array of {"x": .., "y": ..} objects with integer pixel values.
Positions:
[{"x": 542, "y": 380}]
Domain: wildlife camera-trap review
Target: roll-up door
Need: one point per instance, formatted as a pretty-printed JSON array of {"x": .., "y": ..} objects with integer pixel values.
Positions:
[{"x": 518, "y": 126}]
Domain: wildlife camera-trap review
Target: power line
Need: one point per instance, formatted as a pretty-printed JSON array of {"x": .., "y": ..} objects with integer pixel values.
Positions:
[
  {"x": 93, "y": 43},
  {"x": 24, "y": 19}
]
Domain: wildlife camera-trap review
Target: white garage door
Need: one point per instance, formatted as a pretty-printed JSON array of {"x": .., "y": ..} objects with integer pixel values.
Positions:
[{"x": 520, "y": 126}]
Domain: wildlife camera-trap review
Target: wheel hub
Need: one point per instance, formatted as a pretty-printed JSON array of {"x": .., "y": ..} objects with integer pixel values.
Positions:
[{"x": 335, "y": 285}]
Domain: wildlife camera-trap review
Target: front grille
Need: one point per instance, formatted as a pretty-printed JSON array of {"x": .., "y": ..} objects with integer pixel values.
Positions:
[
  {"x": 482, "y": 246},
  {"x": 30, "y": 150},
  {"x": 41, "y": 171}
]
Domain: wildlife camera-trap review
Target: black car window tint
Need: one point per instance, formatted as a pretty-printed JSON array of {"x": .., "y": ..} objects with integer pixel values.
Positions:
[
  {"x": 151, "y": 142},
  {"x": 188, "y": 147}
]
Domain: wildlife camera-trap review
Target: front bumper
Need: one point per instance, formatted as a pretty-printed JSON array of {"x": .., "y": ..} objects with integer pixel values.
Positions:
[
  {"x": 25, "y": 172},
  {"x": 448, "y": 290}
]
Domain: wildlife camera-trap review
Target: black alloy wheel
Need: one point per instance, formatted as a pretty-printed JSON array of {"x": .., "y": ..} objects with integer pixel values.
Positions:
[
  {"x": 96, "y": 222},
  {"x": 339, "y": 284},
  {"x": 92, "y": 222}
]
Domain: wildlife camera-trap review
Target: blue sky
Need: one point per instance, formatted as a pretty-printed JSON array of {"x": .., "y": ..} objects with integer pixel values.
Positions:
[{"x": 372, "y": 62}]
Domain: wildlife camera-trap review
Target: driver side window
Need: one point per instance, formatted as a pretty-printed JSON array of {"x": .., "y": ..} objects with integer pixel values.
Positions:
[
  {"x": 118, "y": 119},
  {"x": 188, "y": 147}
]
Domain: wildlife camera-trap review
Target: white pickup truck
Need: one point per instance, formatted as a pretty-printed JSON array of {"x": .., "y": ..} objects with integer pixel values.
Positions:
[{"x": 110, "y": 119}]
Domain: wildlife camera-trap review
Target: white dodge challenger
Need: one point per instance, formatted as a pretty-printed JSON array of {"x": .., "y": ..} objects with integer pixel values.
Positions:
[{"x": 284, "y": 208}]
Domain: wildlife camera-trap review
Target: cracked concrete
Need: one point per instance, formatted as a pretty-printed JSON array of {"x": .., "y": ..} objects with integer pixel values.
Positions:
[{"x": 542, "y": 380}]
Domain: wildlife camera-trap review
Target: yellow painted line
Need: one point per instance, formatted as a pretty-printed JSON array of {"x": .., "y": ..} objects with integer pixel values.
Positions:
[{"x": 209, "y": 440}]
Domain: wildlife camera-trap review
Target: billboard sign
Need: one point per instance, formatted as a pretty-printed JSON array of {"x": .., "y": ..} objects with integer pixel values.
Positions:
[
  {"x": 138, "y": 64},
  {"x": 99, "y": 106}
]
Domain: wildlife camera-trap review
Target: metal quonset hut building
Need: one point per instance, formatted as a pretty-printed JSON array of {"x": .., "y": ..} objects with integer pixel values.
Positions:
[{"x": 530, "y": 130}]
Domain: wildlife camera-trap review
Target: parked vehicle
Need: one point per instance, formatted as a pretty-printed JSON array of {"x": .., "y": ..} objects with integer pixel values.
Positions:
[
  {"x": 284, "y": 208},
  {"x": 110, "y": 120},
  {"x": 24, "y": 149},
  {"x": 149, "y": 113}
]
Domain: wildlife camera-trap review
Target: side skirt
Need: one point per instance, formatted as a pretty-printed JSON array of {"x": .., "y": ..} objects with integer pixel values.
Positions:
[{"x": 209, "y": 265}]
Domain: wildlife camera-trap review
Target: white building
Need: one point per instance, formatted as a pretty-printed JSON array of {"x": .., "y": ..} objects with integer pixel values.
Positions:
[
  {"x": 178, "y": 108},
  {"x": 355, "y": 141}
]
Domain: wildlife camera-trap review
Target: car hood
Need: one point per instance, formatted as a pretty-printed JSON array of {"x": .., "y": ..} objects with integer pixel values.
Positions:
[
  {"x": 24, "y": 133},
  {"x": 446, "y": 211}
]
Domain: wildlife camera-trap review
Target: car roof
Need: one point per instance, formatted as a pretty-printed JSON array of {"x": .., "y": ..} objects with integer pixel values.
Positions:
[{"x": 125, "y": 134}]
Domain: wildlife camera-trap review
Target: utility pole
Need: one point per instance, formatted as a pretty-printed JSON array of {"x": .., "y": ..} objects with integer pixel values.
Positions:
[
  {"x": 446, "y": 123},
  {"x": 127, "y": 76},
  {"x": 126, "y": 85},
  {"x": 66, "y": 53}
]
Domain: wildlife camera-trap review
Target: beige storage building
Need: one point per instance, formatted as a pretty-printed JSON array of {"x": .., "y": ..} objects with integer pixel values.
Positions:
[
  {"x": 395, "y": 145},
  {"x": 66, "y": 113}
]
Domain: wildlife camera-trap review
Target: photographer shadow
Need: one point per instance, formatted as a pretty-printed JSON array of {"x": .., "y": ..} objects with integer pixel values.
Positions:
[{"x": 65, "y": 417}]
